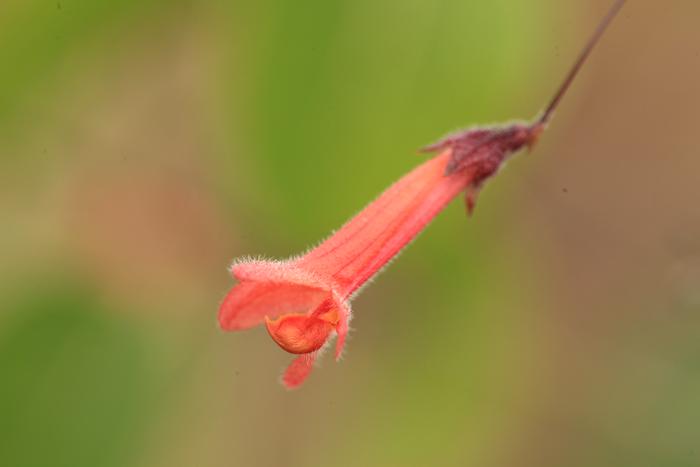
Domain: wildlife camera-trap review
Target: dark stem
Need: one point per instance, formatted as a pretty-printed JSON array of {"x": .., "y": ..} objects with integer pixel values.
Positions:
[{"x": 580, "y": 61}]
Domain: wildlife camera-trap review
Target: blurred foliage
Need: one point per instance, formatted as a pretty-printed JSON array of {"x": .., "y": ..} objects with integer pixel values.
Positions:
[
  {"x": 77, "y": 386},
  {"x": 37, "y": 36}
]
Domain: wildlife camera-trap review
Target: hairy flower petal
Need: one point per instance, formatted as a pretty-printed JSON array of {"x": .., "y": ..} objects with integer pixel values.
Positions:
[
  {"x": 248, "y": 303},
  {"x": 297, "y": 371}
]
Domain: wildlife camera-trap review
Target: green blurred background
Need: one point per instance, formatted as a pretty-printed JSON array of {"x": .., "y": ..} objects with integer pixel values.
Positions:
[{"x": 144, "y": 144}]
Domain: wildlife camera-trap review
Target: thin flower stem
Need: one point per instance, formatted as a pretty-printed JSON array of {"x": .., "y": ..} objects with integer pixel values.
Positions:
[{"x": 547, "y": 114}]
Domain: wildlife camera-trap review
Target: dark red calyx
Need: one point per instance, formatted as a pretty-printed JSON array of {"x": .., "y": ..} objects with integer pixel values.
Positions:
[
  {"x": 483, "y": 151},
  {"x": 487, "y": 147}
]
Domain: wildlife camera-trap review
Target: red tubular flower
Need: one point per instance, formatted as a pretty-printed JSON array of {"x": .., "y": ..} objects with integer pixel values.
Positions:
[{"x": 304, "y": 301}]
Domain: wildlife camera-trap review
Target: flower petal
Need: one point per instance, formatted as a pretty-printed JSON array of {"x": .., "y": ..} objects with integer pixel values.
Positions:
[
  {"x": 248, "y": 303},
  {"x": 277, "y": 271},
  {"x": 299, "y": 333},
  {"x": 299, "y": 370},
  {"x": 342, "y": 327}
]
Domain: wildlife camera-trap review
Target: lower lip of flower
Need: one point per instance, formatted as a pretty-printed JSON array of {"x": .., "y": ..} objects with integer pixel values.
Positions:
[{"x": 299, "y": 333}]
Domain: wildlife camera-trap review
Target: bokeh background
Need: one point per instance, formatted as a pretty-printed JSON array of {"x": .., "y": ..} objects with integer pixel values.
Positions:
[{"x": 146, "y": 143}]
